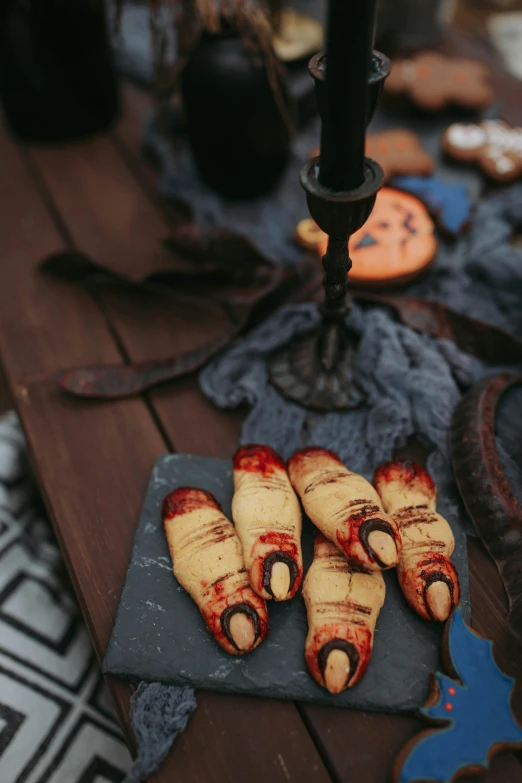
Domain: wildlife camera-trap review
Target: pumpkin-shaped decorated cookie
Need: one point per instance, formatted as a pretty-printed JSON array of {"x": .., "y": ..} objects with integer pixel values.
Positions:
[{"x": 396, "y": 243}]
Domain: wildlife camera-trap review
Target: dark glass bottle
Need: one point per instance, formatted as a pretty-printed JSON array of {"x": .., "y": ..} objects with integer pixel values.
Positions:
[
  {"x": 239, "y": 140},
  {"x": 57, "y": 78}
]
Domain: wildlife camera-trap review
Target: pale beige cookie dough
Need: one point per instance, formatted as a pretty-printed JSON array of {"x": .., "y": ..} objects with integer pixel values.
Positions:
[
  {"x": 208, "y": 562},
  {"x": 346, "y": 508},
  {"x": 267, "y": 516}
]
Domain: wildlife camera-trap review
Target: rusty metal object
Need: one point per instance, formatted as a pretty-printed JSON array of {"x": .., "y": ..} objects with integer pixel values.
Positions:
[
  {"x": 247, "y": 308},
  {"x": 487, "y": 342},
  {"x": 487, "y": 495},
  {"x": 117, "y": 381}
]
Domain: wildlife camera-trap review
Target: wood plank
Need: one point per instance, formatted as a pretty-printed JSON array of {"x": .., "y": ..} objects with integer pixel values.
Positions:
[
  {"x": 127, "y": 137},
  {"x": 137, "y": 103},
  {"x": 93, "y": 478},
  {"x": 33, "y": 308},
  {"x": 47, "y": 326},
  {"x": 6, "y": 401},
  {"x": 115, "y": 228},
  {"x": 249, "y": 732},
  {"x": 144, "y": 320}
]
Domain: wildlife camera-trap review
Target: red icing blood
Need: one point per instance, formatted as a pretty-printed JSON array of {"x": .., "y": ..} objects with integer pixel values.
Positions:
[
  {"x": 348, "y": 533},
  {"x": 279, "y": 542},
  {"x": 185, "y": 499},
  {"x": 408, "y": 473},
  {"x": 310, "y": 453},
  {"x": 256, "y": 458}
]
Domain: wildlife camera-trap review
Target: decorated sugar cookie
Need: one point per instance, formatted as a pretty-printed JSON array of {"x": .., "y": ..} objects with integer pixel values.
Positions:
[
  {"x": 433, "y": 81},
  {"x": 494, "y": 145},
  {"x": 396, "y": 243},
  {"x": 398, "y": 152},
  {"x": 471, "y": 709},
  {"x": 448, "y": 202}
]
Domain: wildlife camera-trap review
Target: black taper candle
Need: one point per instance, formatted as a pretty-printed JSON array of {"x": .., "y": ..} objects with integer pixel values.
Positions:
[{"x": 349, "y": 40}]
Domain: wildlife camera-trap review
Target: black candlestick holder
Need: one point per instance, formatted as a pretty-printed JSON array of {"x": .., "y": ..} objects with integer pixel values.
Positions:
[{"x": 317, "y": 370}]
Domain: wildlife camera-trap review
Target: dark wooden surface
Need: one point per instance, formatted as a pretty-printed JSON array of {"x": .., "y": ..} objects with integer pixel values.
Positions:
[{"x": 93, "y": 459}]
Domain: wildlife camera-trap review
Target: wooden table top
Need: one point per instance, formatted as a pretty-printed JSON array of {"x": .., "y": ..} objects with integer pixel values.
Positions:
[{"x": 93, "y": 460}]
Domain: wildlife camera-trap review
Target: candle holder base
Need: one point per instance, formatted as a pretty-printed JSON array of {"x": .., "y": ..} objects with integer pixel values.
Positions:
[{"x": 317, "y": 370}]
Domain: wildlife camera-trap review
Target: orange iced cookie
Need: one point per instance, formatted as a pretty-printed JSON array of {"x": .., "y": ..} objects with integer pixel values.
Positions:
[{"x": 396, "y": 243}]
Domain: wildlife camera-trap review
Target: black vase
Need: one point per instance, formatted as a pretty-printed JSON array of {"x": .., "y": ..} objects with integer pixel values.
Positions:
[
  {"x": 239, "y": 140},
  {"x": 57, "y": 79}
]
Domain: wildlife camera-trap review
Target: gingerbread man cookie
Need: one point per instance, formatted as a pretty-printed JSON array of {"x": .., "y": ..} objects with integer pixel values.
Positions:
[
  {"x": 399, "y": 153},
  {"x": 432, "y": 82},
  {"x": 493, "y": 144}
]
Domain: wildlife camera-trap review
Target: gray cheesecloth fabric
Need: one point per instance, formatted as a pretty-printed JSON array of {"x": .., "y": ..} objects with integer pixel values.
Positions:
[
  {"x": 412, "y": 383},
  {"x": 159, "y": 712}
]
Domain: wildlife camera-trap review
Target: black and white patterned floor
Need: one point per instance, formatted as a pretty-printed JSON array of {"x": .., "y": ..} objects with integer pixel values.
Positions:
[{"x": 56, "y": 719}]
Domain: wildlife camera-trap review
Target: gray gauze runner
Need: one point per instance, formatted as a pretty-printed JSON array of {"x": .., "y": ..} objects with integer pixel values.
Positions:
[{"x": 412, "y": 381}]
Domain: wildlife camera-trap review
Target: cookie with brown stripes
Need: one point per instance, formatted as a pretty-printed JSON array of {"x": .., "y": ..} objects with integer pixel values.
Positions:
[
  {"x": 208, "y": 562},
  {"x": 427, "y": 576},
  {"x": 342, "y": 605}
]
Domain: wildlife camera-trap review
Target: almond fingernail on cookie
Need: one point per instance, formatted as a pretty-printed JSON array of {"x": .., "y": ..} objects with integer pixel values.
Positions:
[
  {"x": 346, "y": 508},
  {"x": 426, "y": 574}
]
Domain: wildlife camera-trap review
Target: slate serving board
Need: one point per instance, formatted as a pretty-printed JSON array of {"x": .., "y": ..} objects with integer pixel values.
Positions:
[{"x": 159, "y": 634}]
